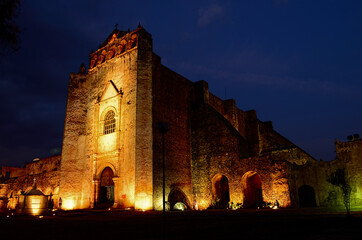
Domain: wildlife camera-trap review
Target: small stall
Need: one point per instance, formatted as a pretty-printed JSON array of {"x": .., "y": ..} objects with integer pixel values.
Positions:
[{"x": 33, "y": 202}]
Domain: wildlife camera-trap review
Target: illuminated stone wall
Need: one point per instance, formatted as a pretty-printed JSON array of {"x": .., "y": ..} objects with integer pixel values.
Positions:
[
  {"x": 245, "y": 122},
  {"x": 43, "y": 165},
  {"x": 11, "y": 172},
  {"x": 46, "y": 174},
  {"x": 315, "y": 173},
  {"x": 3, "y": 196},
  {"x": 218, "y": 148},
  {"x": 213, "y": 137},
  {"x": 144, "y": 131},
  {"x": 171, "y": 103},
  {"x": 350, "y": 153},
  {"x": 74, "y": 158},
  {"x": 47, "y": 182},
  {"x": 119, "y": 78},
  {"x": 209, "y": 138}
]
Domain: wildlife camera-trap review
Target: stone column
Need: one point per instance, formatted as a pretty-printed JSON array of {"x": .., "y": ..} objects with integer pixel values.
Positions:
[
  {"x": 96, "y": 187},
  {"x": 117, "y": 194}
]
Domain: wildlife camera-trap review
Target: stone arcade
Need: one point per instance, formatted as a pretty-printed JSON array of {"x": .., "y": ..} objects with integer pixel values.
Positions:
[{"x": 215, "y": 152}]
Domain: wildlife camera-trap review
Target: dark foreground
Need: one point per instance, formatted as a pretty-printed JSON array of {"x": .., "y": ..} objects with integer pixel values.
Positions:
[{"x": 210, "y": 224}]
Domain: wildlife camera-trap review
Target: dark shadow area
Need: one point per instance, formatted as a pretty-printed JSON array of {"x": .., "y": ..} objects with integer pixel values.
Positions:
[
  {"x": 220, "y": 191},
  {"x": 252, "y": 190},
  {"x": 177, "y": 195},
  {"x": 106, "y": 193},
  {"x": 306, "y": 196}
]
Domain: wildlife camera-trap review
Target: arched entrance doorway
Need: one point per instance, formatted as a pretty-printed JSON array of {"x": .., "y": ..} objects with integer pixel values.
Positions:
[
  {"x": 306, "y": 196},
  {"x": 220, "y": 191},
  {"x": 177, "y": 195},
  {"x": 106, "y": 197},
  {"x": 252, "y": 191}
]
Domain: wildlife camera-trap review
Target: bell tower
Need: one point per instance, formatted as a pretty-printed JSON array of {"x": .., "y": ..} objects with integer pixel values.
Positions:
[{"x": 107, "y": 144}]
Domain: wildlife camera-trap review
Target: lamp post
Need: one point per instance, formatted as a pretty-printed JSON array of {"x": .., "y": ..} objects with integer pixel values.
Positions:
[{"x": 163, "y": 127}]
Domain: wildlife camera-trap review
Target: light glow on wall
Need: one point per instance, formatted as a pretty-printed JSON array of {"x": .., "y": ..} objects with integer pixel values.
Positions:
[
  {"x": 68, "y": 204},
  {"x": 107, "y": 142},
  {"x": 143, "y": 201},
  {"x": 35, "y": 205},
  {"x": 203, "y": 204}
]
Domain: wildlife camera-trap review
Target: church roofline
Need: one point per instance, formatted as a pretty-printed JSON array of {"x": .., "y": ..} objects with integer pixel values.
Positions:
[
  {"x": 117, "y": 32},
  {"x": 117, "y": 43},
  {"x": 119, "y": 35}
]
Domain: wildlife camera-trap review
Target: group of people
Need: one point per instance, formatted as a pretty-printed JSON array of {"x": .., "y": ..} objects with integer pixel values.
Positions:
[
  {"x": 216, "y": 204},
  {"x": 274, "y": 205}
]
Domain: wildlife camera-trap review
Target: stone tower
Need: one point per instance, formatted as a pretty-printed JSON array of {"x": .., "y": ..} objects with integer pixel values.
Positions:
[{"x": 107, "y": 146}]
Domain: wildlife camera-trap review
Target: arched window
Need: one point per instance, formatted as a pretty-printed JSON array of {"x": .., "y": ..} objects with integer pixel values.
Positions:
[{"x": 109, "y": 123}]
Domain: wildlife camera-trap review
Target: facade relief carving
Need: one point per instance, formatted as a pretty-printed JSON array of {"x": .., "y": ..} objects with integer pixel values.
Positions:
[{"x": 113, "y": 48}]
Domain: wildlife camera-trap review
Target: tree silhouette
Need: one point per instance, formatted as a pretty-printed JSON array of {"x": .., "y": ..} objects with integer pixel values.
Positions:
[
  {"x": 9, "y": 30},
  {"x": 338, "y": 178}
]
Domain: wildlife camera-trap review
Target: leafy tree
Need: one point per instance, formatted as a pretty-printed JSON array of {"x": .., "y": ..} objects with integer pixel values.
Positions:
[
  {"x": 338, "y": 178},
  {"x": 9, "y": 30}
]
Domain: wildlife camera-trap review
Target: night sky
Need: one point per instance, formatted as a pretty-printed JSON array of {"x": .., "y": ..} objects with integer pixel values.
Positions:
[{"x": 297, "y": 63}]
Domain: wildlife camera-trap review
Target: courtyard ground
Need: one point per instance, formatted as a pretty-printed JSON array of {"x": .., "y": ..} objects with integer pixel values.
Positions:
[{"x": 209, "y": 224}]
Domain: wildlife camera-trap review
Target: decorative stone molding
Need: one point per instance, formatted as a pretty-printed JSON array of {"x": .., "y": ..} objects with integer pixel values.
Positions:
[{"x": 117, "y": 44}]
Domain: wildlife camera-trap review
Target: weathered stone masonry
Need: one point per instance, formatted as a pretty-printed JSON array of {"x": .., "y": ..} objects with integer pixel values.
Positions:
[{"x": 215, "y": 152}]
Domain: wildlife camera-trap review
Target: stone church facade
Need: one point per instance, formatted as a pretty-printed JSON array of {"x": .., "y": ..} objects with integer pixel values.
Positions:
[{"x": 215, "y": 153}]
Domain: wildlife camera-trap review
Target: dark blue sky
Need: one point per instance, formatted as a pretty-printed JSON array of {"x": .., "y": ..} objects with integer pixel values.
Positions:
[{"x": 298, "y": 63}]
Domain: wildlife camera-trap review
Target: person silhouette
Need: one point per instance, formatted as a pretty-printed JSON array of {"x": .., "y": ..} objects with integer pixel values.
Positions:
[{"x": 60, "y": 203}]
